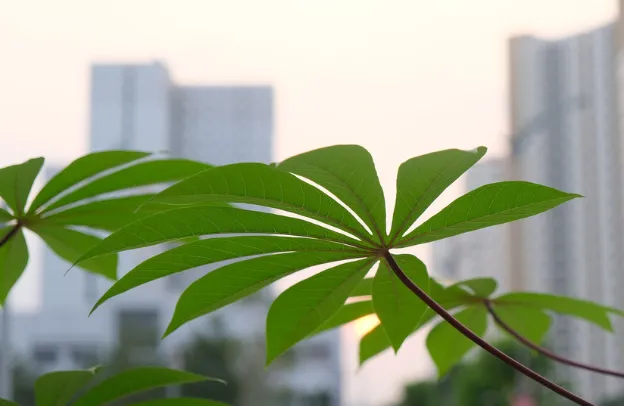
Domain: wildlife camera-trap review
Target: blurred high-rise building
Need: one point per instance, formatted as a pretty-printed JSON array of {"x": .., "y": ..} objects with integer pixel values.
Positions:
[
  {"x": 482, "y": 253},
  {"x": 139, "y": 107},
  {"x": 565, "y": 134}
]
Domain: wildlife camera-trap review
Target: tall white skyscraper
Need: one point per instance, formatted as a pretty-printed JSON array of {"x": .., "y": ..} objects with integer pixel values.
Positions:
[{"x": 565, "y": 134}]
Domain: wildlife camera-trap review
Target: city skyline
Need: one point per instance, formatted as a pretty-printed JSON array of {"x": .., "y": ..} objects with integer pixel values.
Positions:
[{"x": 382, "y": 84}]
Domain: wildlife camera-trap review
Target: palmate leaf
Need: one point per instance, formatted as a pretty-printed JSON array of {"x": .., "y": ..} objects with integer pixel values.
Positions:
[
  {"x": 354, "y": 181},
  {"x": 264, "y": 185},
  {"x": 55, "y": 226},
  {"x": 304, "y": 307},
  {"x": 337, "y": 193},
  {"x": 398, "y": 309}
]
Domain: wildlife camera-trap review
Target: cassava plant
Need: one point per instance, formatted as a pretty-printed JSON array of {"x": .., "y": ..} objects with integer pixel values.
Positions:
[
  {"x": 64, "y": 213},
  {"x": 66, "y": 217},
  {"x": 332, "y": 212}
]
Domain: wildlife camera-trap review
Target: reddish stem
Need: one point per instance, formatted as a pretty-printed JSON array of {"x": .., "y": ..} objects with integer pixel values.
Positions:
[{"x": 435, "y": 306}]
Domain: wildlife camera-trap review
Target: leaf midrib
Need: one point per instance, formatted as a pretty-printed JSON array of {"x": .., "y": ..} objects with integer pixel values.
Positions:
[
  {"x": 401, "y": 229},
  {"x": 359, "y": 201}
]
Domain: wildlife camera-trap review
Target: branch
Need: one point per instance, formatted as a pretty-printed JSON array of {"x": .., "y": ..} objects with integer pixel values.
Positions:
[
  {"x": 544, "y": 351},
  {"x": 10, "y": 234},
  {"x": 435, "y": 306}
]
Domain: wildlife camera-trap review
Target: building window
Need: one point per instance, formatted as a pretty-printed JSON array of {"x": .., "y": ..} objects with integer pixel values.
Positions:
[
  {"x": 138, "y": 328},
  {"x": 318, "y": 399},
  {"x": 84, "y": 356},
  {"x": 314, "y": 351},
  {"x": 45, "y": 353}
]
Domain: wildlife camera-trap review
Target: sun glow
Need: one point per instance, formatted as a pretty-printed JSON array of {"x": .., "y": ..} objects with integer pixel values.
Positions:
[{"x": 364, "y": 325}]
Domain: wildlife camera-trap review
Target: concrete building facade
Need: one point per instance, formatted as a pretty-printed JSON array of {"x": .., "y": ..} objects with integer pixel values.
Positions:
[{"x": 565, "y": 134}]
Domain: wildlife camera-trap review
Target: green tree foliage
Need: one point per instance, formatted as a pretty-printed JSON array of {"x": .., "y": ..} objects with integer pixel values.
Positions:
[{"x": 484, "y": 381}]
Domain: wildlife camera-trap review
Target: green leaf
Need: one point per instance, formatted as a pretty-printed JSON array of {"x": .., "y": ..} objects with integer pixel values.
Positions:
[
  {"x": 489, "y": 205},
  {"x": 364, "y": 288},
  {"x": 235, "y": 281},
  {"x": 373, "y": 343},
  {"x": 583, "y": 309},
  {"x": 346, "y": 314},
  {"x": 81, "y": 169},
  {"x": 533, "y": 324},
  {"x": 397, "y": 307},
  {"x": 13, "y": 260},
  {"x": 133, "y": 381},
  {"x": 213, "y": 250},
  {"x": 5, "y": 215},
  {"x": 141, "y": 174},
  {"x": 305, "y": 306},
  {"x": 481, "y": 287},
  {"x": 70, "y": 244},
  {"x": 180, "y": 402},
  {"x": 16, "y": 181},
  {"x": 422, "y": 179},
  {"x": 347, "y": 171},
  {"x": 260, "y": 184},
  {"x": 58, "y": 388},
  {"x": 448, "y": 346},
  {"x": 107, "y": 215},
  {"x": 5, "y": 402},
  {"x": 194, "y": 221}
]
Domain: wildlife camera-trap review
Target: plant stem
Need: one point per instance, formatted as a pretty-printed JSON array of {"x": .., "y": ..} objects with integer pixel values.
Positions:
[
  {"x": 10, "y": 234},
  {"x": 435, "y": 306},
  {"x": 545, "y": 352}
]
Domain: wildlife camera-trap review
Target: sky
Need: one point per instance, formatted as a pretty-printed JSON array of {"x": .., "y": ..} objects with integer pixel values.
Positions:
[{"x": 401, "y": 78}]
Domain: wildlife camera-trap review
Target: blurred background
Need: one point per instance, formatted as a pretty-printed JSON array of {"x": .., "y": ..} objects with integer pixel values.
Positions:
[{"x": 539, "y": 82}]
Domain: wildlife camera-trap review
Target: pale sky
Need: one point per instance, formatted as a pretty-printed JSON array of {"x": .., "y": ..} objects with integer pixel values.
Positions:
[{"x": 401, "y": 78}]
